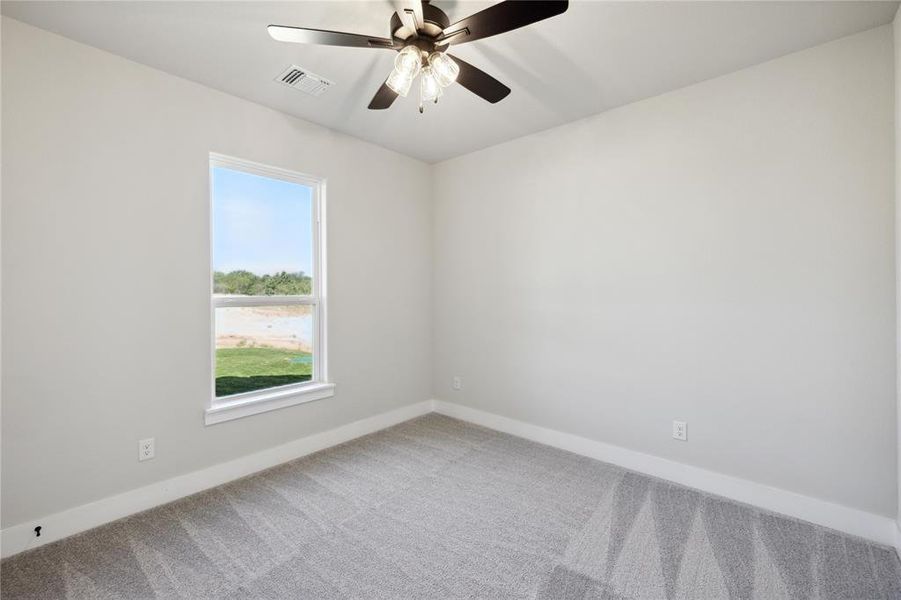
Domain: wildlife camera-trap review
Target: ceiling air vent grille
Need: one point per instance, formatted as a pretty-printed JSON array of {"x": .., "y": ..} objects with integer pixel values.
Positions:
[{"x": 301, "y": 79}]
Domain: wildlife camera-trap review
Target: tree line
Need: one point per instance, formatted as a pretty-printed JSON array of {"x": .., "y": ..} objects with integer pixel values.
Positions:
[{"x": 246, "y": 283}]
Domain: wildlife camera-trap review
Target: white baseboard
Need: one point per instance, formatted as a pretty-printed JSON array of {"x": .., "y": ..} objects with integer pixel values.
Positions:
[
  {"x": 877, "y": 528},
  {"x": 21, "y": 537}
]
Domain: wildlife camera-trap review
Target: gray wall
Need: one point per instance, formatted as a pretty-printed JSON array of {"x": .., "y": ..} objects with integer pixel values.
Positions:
[
  {"x": 106, "y": 325},
  {"x": 722, "y": 254}
]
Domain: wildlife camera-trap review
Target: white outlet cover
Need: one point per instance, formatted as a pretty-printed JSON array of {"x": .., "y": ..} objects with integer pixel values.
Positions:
[
  {"x": 457, "y": 383},
  {"x": 146, "y": 449},
  {"x": 680, "y": 430}
]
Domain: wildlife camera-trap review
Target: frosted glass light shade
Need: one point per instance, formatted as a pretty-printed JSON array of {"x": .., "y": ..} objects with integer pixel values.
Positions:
[
  {"x": 400, "y": 82},
  {"x": 408, "y": 61},
  {"x": 429, "y": 88},
  {"x": 444, "y": 68}
]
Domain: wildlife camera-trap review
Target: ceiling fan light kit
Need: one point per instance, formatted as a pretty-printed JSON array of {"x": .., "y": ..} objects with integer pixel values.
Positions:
[
  {"x": 400, "y": 82},
  {"x": 429, "y": 88},
  {"x": 421, "y": 36},
  {"x": 444, "y": 68},
  {"x": 437, "y": 71},
  {"x": 409, "y": 61}
]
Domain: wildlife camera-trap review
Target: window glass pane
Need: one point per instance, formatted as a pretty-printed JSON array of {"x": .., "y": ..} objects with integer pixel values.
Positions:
[
  {"x": 262, "y": 235},
  {"x": 263, "y": 346}
]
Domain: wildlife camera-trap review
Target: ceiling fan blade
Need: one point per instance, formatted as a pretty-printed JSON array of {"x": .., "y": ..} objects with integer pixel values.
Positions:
[
  {"x": 383, "y": 98},
  {"x": 503, "y": 17},
  {"x": 303, "y": 35},
  {"x": 410, "y": 13},
  {"x": 480, "y": 83}
]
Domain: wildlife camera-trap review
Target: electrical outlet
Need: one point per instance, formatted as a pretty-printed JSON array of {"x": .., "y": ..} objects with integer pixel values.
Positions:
[
  {"x": 146, "y": 449},
  {"x": 457, "y": 383},
  {"x": 680, "y": 430}
]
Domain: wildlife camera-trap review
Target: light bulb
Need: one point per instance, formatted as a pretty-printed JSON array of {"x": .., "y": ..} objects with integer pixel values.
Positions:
[
  {"x": 409, "y": 61},
  {"x": 444, "y": 68},
  {"x": 429, "y": 88},
  {"x": 399, "y": 82}
]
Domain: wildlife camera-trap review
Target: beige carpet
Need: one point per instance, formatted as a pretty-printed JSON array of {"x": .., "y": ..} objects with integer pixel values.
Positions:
[{"x": 435, "y": 508}]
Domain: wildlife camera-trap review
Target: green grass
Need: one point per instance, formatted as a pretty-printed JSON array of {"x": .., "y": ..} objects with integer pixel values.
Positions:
[{"x": 246, "y": 369}]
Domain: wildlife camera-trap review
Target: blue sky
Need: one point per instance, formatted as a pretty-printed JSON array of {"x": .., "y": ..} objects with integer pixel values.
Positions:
[{"x": 261, "y": 225}]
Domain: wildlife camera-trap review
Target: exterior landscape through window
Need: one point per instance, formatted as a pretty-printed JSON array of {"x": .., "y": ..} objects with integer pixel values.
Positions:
[{"x": 264, "y": 301}]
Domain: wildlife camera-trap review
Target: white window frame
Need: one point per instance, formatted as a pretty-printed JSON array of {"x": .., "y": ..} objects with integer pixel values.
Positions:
[{"x": 249, "y": 403}]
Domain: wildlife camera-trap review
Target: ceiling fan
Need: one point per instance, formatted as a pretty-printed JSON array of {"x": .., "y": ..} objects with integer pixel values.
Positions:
[{"x": 421, "y": 35}]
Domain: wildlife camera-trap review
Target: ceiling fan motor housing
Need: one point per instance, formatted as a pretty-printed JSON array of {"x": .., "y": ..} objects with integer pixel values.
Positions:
[{"x": 435, "y": 21}]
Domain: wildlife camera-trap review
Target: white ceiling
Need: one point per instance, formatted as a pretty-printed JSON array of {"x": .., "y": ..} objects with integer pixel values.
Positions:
[{"x": 594, "y": 57}]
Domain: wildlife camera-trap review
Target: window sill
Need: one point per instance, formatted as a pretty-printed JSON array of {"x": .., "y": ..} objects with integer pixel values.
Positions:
[{"x": 267, "y": 400}]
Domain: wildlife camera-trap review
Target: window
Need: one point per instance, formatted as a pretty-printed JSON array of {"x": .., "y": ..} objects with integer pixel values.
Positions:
[{"x": 268, "y": 275}]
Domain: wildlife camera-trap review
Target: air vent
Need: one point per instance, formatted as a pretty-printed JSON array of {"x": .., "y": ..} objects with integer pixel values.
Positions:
[{"x": 301, "y": 79}]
